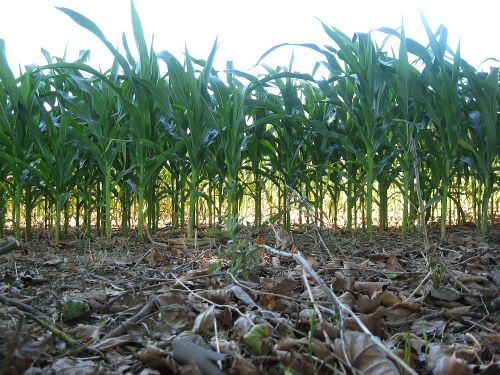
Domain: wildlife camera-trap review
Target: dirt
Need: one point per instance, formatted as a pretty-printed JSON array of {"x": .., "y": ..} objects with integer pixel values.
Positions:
[{"x": 211, "y": 305}]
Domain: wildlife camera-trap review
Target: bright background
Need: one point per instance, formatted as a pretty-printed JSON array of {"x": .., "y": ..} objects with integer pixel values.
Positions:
[{"x": 246, "y": 29}]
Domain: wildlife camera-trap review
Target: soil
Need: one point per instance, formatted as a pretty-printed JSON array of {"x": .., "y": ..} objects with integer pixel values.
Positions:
[{"x": 213, "y": 305}]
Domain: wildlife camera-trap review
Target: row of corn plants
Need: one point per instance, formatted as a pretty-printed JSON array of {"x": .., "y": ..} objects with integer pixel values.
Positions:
[{"x": 155, "y": 137}]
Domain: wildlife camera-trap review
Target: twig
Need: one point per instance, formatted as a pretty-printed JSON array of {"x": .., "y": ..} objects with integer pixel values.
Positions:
[
  {"x": 146, "y": 253},
  {"x": 122, "y": 328},
  {"x": 210, "y": 302},
  {"x": 421, "y": 206},
  {"x": 219, "y": 362},
  {"x": 311, "y": 297},
  {"x": 424, "y": 280},
  {"x": 14, "y": 244},
  {"x": 20, "y": 305},
  {"x": 56, "y": 331},
  {"x": 37, "y": 317}
]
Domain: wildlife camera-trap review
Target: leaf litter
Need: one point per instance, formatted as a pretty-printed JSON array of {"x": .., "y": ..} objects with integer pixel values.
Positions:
[{"x": 263, "y": 303}]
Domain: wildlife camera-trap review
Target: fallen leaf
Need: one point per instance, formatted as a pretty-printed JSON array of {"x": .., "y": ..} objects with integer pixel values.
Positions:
[
  {"x": 450, "y": 365},
  {"x": 243, "y": 366},
  {"x": 365, "y": 304},
  {"x": 296, "y": 361},
  {"x": 364, "y": 355},
  {"x": 260, "y": 240},
  {"x": 153, "y": 358},
  {"x": 254, "y": 338},
  {"x": 369, "y": 287},
  {"x": 429, "y": 327},
  {"x": 70, "y": 366},
  {"x": 204, "y": 321}
]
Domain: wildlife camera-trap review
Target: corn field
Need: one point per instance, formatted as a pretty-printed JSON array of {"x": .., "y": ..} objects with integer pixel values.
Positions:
[{"x": 156, "y": 140}]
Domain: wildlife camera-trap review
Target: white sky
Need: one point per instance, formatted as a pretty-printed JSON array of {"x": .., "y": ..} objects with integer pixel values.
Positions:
[{"x": 245, "y": 29}]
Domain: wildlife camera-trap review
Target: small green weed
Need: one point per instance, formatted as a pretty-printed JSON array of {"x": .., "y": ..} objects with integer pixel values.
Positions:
[{"x": 242, "y": 256}]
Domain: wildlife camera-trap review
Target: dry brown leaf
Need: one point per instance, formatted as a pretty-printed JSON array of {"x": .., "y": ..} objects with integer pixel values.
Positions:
[
  {"x": 392, "y": 262},
  {"x": 348, "y": 299},
  {"x": 364, "y": 355},
  {"x": 261, "y": 240},
  {"x": 342, "y": 282},
  {"x": 204, "y": 321},
  {"x": 153, "y": 358},
  {"x": 219, "y": 296},
  {"x": 429, "y": 327},
  {"x": 374, "y": 322},
  {"x": 495, "y": 338},
  {"x": 243, "y": 296},
  {"x": 411, "y": 307},
  {"x": 272, "y": 303},
  {"x": 296, "y": 361},
  {"x": 388, "y": 298},
  {"x": 243, "y": 366},
  {"x": 445, "y": 293},
  {"x": 190, "y": 369},
  {"x": 365, "y": 304},
  {"x": 368, "y": 287},
  {"x": 155, "y": 257},
  {"x": 312, "y": 261},
  {"x": 283, "y": 286},
  {"x": 450, "y": 365}
]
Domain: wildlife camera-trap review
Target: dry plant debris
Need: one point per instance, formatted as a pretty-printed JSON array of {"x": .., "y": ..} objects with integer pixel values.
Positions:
[{"x": 173, "y": 306}]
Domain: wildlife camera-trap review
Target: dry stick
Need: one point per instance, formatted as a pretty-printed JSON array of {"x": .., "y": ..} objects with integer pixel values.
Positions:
[
  {"x": 311, "y": 297},
  {"x": 14, "y": 244},
  {"x": 424, "y": 280},
  {"x": 219, "y": 362},
  {"x": 37, "y": 317},
  {"x": 20, "y": 305},
  {"x": 122, "y": 328},
  {"x": 146, "y": 253},
  {"x": 338, "y": 305},
  {"x": 421, "y": 206},
  {"x": 56, "y": 331},
  {"x": 212, "y": 303}
]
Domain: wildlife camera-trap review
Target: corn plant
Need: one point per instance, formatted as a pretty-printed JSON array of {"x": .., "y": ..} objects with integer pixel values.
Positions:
[
  {"x": 56, "y": 153},
  {"x": 190, "y": 96},
  {"x": 18, "y": 108},
  {"x": 482, "y": 141},
  {"x": 76, "y": 138},
  {"x": 407, "y": 115},
  {"x": 442, "y": 103},
  {"x": 143, "y": 95},
  {"x": 228, "y": 117}
]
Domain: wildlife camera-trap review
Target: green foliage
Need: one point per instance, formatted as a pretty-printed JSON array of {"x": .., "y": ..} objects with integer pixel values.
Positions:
[
  {"x": 242, "y": 257},
  {"x": 255, "y": 338},
  {"x": 155, "y": 129}
]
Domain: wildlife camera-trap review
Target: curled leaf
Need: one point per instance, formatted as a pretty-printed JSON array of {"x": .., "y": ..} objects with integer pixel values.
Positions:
[
  {"x": 254, "y": 338},
  {"x": 364, "y": 355}
]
